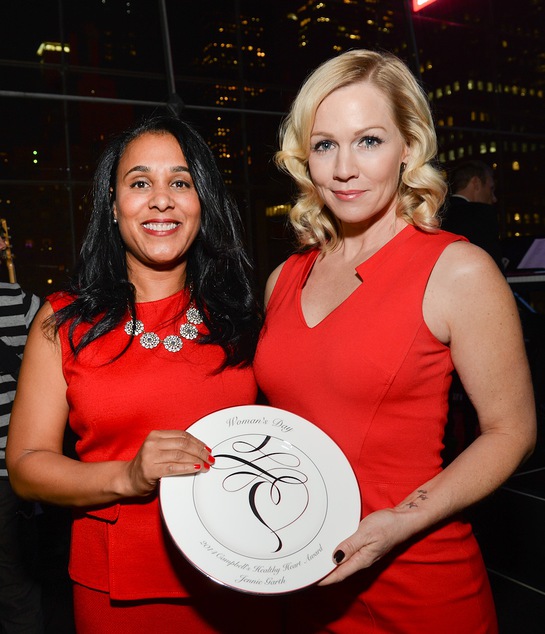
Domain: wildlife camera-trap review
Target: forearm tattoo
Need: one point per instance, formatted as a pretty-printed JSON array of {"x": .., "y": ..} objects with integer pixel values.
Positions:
[{"x": 422, "y": 495}]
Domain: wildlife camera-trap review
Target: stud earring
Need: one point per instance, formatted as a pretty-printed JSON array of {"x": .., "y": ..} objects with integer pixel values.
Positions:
[{"x": 115, "y": 220}]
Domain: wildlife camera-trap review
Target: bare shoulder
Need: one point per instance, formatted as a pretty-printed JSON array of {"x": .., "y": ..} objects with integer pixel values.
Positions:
[
  {"x": 271, "y": 282},
  {"x": 42, "y": 320},
  {"x": 43, "y": 343},
  {"x": 465, "y": 267},
  {"x": 465, "y": 283},
  {"x": 46, "y": 310}
]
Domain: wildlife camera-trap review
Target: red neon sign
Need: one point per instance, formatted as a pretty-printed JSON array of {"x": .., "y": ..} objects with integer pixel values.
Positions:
[{"x": 420, "y": 4}]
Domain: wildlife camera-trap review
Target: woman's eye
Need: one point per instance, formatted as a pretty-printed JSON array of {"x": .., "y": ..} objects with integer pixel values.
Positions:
[
  {"x": 370, "y": 141},
  {"x": 139, "y": 184},
  {"x": 322, "y": 146},
  {"x": 181, "y": 184}
]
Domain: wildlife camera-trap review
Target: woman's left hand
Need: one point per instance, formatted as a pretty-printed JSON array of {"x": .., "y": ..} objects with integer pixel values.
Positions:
[{"x": 376, "y": 535}]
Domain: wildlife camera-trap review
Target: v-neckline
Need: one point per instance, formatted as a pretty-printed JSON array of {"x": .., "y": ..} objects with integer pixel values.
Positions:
[{"x": 364, "y": 269}]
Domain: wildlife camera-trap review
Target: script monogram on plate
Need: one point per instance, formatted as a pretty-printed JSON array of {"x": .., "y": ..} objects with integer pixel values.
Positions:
[{"x": 265, "y": 494}]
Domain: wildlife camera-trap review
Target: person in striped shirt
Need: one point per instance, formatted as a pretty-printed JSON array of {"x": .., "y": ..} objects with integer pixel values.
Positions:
[{"x": 20, "y": 597}]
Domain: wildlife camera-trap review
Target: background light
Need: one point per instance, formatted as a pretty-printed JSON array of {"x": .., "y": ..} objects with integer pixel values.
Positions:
[{"x": 420, "y": 4}]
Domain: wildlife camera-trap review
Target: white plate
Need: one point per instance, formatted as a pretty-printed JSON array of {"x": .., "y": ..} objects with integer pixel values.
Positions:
[{"x": 266, "y": 518}]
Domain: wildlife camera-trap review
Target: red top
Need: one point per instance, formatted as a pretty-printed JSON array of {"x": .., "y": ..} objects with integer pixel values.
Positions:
[
  {"x": 374, "y": 378},
  {"x": 123, "y": 548}
]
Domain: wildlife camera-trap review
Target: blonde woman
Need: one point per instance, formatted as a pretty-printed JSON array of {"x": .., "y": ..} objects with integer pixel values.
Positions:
[{"x": 364, "y": 328}]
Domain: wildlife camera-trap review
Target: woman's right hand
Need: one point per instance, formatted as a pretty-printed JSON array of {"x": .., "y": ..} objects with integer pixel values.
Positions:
[
  {"x": 38, "y": 468},
  {"x": 166, "y": 453}
]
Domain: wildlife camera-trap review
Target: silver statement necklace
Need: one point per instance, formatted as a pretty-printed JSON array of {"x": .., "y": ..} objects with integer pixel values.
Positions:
[{"x": 172, "y": 343}]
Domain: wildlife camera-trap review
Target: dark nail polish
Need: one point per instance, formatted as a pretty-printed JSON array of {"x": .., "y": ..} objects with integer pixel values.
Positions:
[{"x": 338, "y": 556}]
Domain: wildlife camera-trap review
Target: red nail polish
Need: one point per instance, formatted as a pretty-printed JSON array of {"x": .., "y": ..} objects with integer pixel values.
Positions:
[
  {"x": 197, "y": 466},
  {"x": 208, "y": 449},
  {"x": 211, "y": 459}
]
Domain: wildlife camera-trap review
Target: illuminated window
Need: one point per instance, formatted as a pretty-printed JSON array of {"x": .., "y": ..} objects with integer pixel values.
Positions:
[
  {"x": 52, "y": 47},
  {"x": 277, "y": 210},
  {"x": 515, "y": 166}
]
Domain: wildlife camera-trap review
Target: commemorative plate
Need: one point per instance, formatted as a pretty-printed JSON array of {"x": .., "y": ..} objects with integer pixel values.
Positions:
[{"x": 267, "y": 516}]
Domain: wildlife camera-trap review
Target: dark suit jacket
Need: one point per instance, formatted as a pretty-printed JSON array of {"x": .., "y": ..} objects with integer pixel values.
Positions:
[{"x": 478, "y": 222}]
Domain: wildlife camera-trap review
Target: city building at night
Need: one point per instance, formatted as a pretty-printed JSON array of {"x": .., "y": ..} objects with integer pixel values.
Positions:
[{"x": 72, "y": 76}]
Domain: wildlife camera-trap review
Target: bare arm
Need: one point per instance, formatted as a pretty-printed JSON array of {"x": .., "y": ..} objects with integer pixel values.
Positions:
[
  {"x": 469, "y": 306},
  {"x": 38, "y": 469}
]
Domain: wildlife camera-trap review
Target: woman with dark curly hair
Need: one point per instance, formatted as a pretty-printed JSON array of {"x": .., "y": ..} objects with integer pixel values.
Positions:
[
  {"x": 364, "y": 327},
  {"x": 157, "y": 329}
]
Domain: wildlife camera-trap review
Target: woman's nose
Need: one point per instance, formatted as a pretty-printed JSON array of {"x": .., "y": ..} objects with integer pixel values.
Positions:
[
  {"x": 161, "y": 198},
  {"x": 345, "y": 165}
]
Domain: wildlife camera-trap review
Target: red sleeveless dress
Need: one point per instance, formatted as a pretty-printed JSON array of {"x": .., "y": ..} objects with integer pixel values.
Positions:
[
  {"x": 123, "y": 549},
  {"x": 374, "y": 378}
]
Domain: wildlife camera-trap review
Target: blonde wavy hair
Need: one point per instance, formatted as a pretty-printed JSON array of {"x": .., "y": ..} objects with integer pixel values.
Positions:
[{"x": 422, "y": 187}]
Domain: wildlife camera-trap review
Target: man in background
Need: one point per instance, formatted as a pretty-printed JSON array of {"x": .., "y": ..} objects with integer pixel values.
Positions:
[
  {"x": 469, "y": 209},
  {"x": 20, "y": 595}
]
